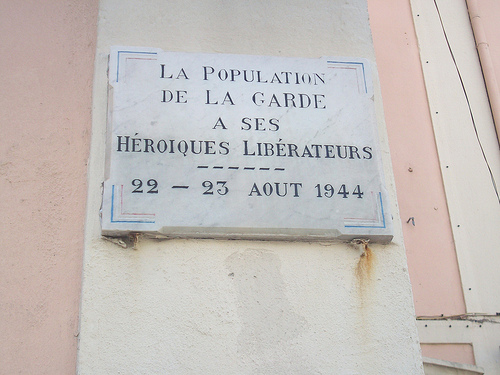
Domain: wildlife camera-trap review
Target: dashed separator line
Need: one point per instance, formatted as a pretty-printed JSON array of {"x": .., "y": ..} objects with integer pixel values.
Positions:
[{"x": 243, "y": 168}]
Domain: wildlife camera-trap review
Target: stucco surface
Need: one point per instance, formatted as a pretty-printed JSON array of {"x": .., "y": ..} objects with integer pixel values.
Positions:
[
  {"x": 47, "y": 52},
  {"x": 246, "y": 307}
]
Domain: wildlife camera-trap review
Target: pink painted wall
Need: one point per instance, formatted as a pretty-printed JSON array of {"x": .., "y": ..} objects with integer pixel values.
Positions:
[
  {"x": 460, "y": 353},
  {"x": 429, "y": 243},
  {"x": 46, "y": 73}
]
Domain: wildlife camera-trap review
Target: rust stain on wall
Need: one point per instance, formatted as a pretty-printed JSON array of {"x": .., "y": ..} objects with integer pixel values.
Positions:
[
  {"x": 364, "y": 273},
  {"x": 365, "y": 287},
  {"x": 365, "y": 265}
]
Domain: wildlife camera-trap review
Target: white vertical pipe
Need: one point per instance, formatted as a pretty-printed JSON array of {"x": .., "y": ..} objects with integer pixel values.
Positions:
[{"x": 486, "y": 62}]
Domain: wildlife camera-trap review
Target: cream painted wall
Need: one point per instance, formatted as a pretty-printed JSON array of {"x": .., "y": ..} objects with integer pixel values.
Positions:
[
  {"x": 225, "y": 307},
  {"x": 46, "y": 71}
]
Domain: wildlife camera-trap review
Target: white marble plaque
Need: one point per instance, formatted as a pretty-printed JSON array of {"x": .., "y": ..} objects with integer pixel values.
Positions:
[{"x": 235, "y": 146}]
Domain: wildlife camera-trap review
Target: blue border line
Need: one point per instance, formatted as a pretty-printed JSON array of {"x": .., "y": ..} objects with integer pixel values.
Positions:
[
  {"x": 118, "y": 59},
  {"x": 122, "y": 221},
  {"x": 367, "y": 226},
  {"x": 354, "y": 62},
  {"x": 112, "y": 202}
]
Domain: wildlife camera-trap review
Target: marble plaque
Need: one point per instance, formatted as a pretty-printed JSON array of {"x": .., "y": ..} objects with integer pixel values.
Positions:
[{"x": 235, "y": 146}]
